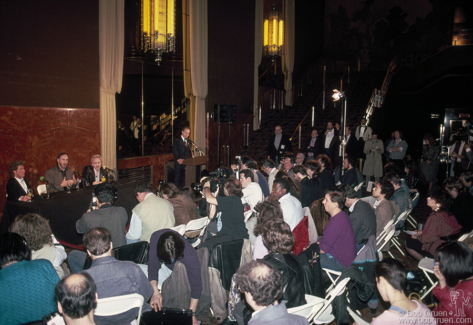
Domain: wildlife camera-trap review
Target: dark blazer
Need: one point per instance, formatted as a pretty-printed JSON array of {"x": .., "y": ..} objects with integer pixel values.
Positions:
[
  {"x": 363, "y": 220},
  {"x": 350, "y": 177},
  {"x": 14, "y": 189},
  {"x": 327, "y": 179},
  {"x": 334, "y": 148},
  {"x": 89, "y": 174},
  {"x": 273, "y": 151},
  {"x": 308, "y": 192},
  {"x": 180, "y": 150},
  {"x": 316, "y": 149},
  {"x": 54, "y": 177},
  {"x": 351, "y": 146}
]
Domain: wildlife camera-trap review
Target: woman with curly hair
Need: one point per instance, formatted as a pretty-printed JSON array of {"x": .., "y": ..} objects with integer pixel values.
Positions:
[
  {"x": 430, "y": 157},
  {"x": 40, "y": 239},
  {"x": 267, "y": 211},
  {"x": 439, "y": 224}
]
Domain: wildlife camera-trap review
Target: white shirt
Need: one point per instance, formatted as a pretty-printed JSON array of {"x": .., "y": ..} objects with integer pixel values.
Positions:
[
  {"x": 352, "y": 206},
  {"x": 362, "y": 130},
  {"x": 271, "y": 178},
  {"x": 291, "y": 210},
  {"x": 97, "y": 175},
  {"x": 328, "y": 139},
  {"x": 134, "y": 232},
  {"x": 252, "y": 194},
  {"x": 22, "y": 183},
  {"x": 184, "y": 139}
]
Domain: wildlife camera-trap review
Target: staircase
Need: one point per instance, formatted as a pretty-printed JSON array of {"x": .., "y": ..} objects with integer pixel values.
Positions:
[{"x": 358, "y": 90}]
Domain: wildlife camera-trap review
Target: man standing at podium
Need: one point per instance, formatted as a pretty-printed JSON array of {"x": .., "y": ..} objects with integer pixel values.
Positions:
[{"x": 181, "y": 150}]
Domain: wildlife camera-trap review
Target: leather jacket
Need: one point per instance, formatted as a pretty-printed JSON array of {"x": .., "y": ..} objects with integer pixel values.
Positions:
[{"x": 293, "y": 277}]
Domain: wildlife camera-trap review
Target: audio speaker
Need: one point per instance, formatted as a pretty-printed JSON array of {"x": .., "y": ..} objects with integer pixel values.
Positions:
[{"x": 225, "y": 113}]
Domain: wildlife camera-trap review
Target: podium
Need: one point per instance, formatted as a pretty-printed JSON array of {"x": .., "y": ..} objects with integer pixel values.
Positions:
[{"x": 193, "y": 169}]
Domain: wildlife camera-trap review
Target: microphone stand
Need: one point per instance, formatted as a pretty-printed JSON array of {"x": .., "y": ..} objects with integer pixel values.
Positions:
[
  {"x": 196, "y": 148},
  {"x": 78, "y": 181}
]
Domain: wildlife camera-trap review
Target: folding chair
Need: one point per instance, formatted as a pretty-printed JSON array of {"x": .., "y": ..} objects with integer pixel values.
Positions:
[
  {"x": 180, "y": 229},
  {"x": 381, "y": 235},
  {"x": 324, "y": 315},
  {"x": 196, "y": 225},
  {"x": 410, "y": 219},
  {"x": 313, "y": 302},
  {"x": 120, "y": 304},
  {"x": 465, "y": 236},
  {"x": 357, "y": 318},
  {"x": 389, "y": 233},
  {"x": 427, "y": 266},
  {"x": 394, "y": 240}
]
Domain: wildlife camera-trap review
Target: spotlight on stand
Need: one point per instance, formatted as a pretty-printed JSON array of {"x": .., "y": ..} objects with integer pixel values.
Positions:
[{"x": 337, "y": 95}]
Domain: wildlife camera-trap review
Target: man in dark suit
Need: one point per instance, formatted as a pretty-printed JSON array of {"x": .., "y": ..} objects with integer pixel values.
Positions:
[
  {"x": 308, "y": 187},
  {"x": 362, "y": 216},
  {"x": 17, "y": 186},
  {"x": 351, "y": 143},
  {"x": 313, "y": 146},
  {"x": 181, "y": 150},
  {"x": 94, "y": 173},
  {"x": 350, "y": 176},
  {"x": 332, "y": 144},
  {"x": 279, "y": 144}
]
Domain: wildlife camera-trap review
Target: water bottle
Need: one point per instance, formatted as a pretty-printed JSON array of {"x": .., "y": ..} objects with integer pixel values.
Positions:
[{"x": 94, "y": 202}]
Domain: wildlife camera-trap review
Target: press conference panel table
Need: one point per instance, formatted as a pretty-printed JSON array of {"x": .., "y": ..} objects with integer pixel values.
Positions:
[{"x": 64, "y": 209}]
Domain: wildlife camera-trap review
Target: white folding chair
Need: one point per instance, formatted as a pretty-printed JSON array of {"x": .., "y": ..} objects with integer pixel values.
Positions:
[
  {"x": 324, "y": 315},
  {"x": 313, "y": 236},
  {"x": 386, "y": 239},
  {"x": 181, "y": 229},
  {"x": 465, "y": 236},
  {"x": 41, "y": 189},
  {"x": 410, "y": 219},
  {"x": 383, "y": 233},
  {"x": 357, "y": 318},
  {"x": 394, "y": 240},
  {"x": 196, "y": 225},
  {"x": 120, "y": 304},
  {"x": 357, "y": 188},
  {"x": 427, "y": 266},
  {"x": 313, "y": 302}
]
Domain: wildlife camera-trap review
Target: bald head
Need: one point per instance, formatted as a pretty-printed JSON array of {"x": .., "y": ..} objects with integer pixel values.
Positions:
[{"x": 76, "y": 295}]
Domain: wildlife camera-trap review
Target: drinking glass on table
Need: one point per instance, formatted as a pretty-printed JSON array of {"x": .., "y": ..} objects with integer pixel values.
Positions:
[{"x": 103, "y": 179}]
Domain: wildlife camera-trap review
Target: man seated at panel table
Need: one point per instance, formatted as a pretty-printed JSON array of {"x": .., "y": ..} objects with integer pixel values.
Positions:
[
  {"x": 17, "y": 186},
  {"x": 114, "y": 278},
  {"x": 112, "y": 218},
  {"x": 60, "y": 175},
  {"x": 151, "y": 214},
  {"x": 94, "y": 173}
]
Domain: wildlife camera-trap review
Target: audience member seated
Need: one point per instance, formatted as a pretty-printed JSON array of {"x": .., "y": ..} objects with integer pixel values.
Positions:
[
  {"x": 174, "y": 260},
  {"x": 400, "y": 197},
  {"x": 40, "y": 239},
  {"x": 287, "y": 166},
  {"x": 279, "y": 240},
  {"x": 373, "y": 150},
  {"x": 269, "y": 168},
  {"x": 107, "y": 216},
  {"x": 453, "y": 267},
  {"x": 338, "y": 244},
  {"x": 77, "y": 299},
  {"x": 263, "y": 288},
  {"x": 290, "y": 206},
  {"x": 392, "y": 168},
  {"x": 326, "y": 175},
  {"x": 112, "y": 277},
  {"x": 184, "y": 207},
  {"x": 17, "y": 185},
  {"x": 391, "y": 282},
  {"x": 384, "y": 211},
  {"x": 350, "y": 176},
  {"x": 309, "y": 188},
  {"x": 26, "y": 286},
  {"x": 93, "y": 174},
  {"x": 249, "y": 163},
  {"x": 462, "y": 203},
  {"x": 439, "y": 224},
  {"x": 150, "y": 215},
  {"x": 313, "y": 170},
  {"x": 268, "y": 211},
  {"x": 294, "y": 187},
  {"x": 228, "y": 217},
  {"x": 415, "y": 180},
  {"x": 362, "y": 216},
  {"x": 467, "y": 180}
]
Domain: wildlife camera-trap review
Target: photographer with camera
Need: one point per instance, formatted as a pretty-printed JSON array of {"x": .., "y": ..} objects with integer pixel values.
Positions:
[
  {"x": 214, "y": 184},
  {"x": 184, "y": 207},
  {"x": 228, "y": 219}
]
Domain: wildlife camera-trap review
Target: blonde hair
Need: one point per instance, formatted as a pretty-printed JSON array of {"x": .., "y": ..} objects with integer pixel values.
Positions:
[{"x": 96, "y": 156}]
